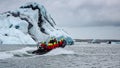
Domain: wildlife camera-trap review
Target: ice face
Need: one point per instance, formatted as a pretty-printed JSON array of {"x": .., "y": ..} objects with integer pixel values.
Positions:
[{"x": 31, "y": 20}]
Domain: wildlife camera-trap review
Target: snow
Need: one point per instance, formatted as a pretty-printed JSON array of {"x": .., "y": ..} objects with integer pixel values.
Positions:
[
  {"x": 29, "y": 24},
  {"x": 15, "y": 36}
]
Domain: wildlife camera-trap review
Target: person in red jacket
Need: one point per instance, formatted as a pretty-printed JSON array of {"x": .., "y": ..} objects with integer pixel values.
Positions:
[
  {"x": 43, "y": 45},
  {"x": 61, "y": 42}
]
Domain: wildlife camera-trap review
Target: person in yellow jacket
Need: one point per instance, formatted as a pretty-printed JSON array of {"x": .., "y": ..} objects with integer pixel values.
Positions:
[{"x": 50, "y": 44}]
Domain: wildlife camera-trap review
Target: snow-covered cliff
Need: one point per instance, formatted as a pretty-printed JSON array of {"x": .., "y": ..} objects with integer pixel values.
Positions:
[{"x": 29, "y": 24}]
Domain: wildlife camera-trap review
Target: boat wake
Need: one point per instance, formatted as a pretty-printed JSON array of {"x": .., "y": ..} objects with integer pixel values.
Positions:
[{"x": 27, "y": 52}]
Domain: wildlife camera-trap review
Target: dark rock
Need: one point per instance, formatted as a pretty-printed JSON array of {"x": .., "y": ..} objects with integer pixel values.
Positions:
[
  {"x": 6, "y": 34},
  {"x": 17, "y": 26},
  {"x": 10, "y": 25}
]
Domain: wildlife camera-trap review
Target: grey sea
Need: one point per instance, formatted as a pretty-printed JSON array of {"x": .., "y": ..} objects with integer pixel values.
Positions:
[{"x": 75, "y": 56}]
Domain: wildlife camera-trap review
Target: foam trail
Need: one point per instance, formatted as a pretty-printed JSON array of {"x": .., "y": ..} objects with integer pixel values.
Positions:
[
  {"x": 20, "y": 52},
  {"x": 23, "y": 52},
  {"x": 4, "y": 55},
  {"x": 59, "y": 51}
]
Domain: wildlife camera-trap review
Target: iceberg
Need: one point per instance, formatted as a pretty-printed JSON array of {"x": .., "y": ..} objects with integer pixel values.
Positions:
[{"x": 29, "y": 24}]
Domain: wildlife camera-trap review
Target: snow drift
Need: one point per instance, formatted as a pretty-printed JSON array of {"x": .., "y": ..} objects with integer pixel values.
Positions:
[{"x": 29, "y": 24}]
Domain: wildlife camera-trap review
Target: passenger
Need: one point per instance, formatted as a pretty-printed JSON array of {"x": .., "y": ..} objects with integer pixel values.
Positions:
[
  {"x": 61, "y": 42},
  {"x": 55, "y": 43},
  {"x": 50, "y": 44},
  {"x": 43, "y": 45}
]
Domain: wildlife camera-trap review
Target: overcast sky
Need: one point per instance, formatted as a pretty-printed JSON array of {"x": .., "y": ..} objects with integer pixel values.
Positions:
[{"x": 75, "y": 13}]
